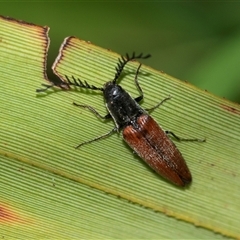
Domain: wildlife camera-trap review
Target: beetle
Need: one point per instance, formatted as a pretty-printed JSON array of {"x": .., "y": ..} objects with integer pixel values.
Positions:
[{"x": 139, "y": 130}]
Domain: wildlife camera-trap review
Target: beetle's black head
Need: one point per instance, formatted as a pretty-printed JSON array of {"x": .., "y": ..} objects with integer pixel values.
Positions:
[{"x": 112, "y": 91}]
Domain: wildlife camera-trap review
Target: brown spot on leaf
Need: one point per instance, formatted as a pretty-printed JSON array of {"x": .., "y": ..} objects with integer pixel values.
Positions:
[
  {"x": 230, "y": 109},
  {"x": 6, "y": 215},
  {"x": 9, "y": 215}
]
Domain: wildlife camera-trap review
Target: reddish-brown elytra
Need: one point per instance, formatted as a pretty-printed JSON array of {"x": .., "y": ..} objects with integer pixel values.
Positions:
[
  {"x": 140, "y": 130},
  {"x": 153, "y": 145}
]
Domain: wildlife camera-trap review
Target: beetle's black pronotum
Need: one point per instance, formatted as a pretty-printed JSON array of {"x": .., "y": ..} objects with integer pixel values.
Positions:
[{"x": 139, "y": 129}]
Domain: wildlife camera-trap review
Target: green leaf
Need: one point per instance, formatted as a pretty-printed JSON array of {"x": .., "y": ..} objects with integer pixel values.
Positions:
[{"x": 102, "y": 190}]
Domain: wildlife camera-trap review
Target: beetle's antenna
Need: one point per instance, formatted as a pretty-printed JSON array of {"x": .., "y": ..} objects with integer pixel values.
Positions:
[
  {"x": 123, "y": 60},
  {"x": 79, "y": 83}
]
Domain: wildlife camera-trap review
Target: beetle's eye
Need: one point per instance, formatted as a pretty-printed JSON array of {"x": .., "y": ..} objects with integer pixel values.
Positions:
[{"x": 115, "y": 92}]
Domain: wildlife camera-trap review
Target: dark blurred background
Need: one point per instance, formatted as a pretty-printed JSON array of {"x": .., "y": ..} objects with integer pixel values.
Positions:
[{"x": 198, "y": 42}]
